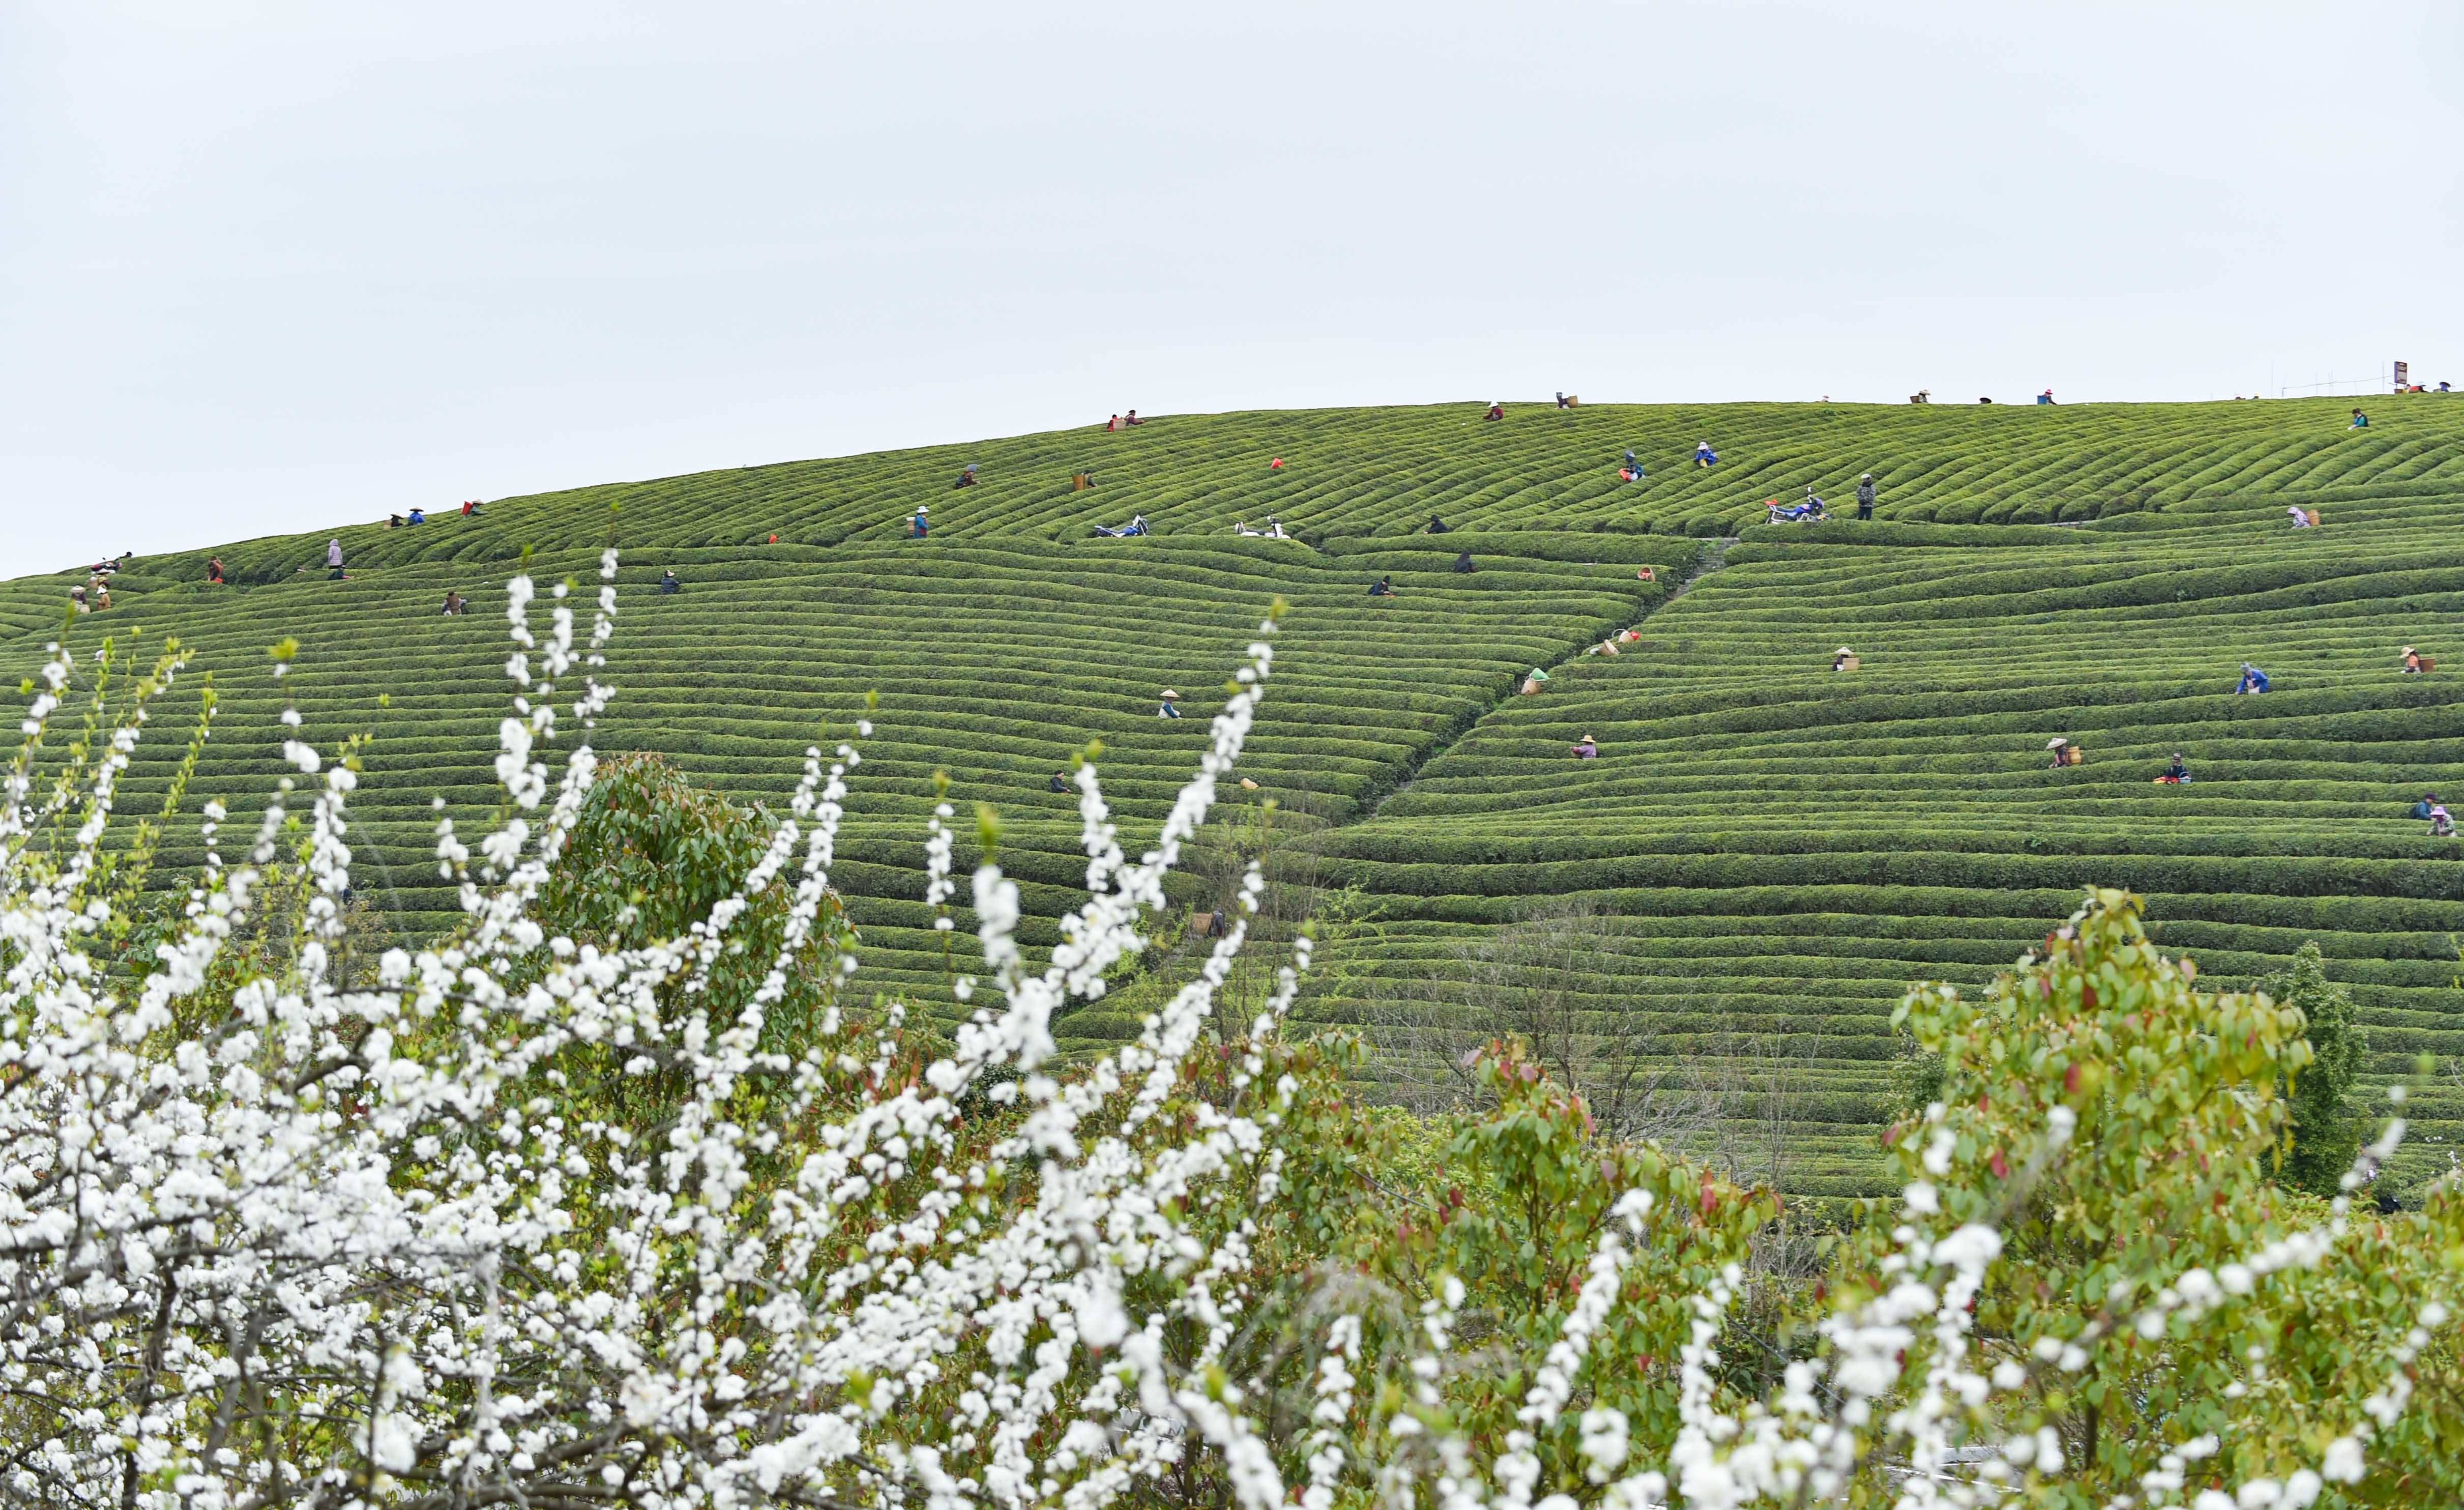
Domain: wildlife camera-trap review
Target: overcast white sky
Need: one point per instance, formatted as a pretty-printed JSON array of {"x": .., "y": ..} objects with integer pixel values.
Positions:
[{"x": 273, "y": 266}]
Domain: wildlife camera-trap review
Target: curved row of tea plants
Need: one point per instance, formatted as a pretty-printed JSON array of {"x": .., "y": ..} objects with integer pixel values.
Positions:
[{"x": 1782, "y": 847}]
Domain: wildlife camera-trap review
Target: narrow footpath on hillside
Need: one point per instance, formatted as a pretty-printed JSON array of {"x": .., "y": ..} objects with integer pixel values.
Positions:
[{"x": 1713, "y": 558}]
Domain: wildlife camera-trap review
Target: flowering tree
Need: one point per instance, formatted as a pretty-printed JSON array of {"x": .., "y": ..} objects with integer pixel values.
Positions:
[{"x": 611, "y": 1196}]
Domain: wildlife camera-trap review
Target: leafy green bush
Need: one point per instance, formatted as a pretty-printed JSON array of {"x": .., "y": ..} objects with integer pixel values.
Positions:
[{"x": 2324, "y": 1127}]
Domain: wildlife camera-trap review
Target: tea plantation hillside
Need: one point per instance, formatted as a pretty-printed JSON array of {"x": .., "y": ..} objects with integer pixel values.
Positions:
[
  {"x": 1774, "y": 850},
  {"x": 1382, "y": 472}
]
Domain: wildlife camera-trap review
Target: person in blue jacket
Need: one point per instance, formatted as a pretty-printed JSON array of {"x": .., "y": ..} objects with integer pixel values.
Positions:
[
  {"x": 1705, "y": 456},
  {"x": 2252, "y": 680}
]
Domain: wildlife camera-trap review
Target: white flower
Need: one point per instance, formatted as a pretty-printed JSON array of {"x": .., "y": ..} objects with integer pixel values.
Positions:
[
  {"x": 2343, "y": 1463},
  {"x": 1603, "y": 1441},
  {"x": 393, "y": 1444},
  {"x": 1972, "y": 1246}
]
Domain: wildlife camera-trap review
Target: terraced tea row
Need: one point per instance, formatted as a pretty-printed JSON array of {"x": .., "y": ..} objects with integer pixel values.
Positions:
[{"x": 1769, "y": 835}]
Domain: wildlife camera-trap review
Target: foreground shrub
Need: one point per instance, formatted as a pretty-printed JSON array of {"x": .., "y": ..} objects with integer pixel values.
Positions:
[
  {"x": 618, "y": 1195},
  {"x": 2323, "y": 1128}
]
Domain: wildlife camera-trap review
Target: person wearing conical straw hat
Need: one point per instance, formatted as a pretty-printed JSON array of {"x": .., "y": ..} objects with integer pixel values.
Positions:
[
  {"x": 1586, "y": 748},
  {"x": 2412, "y": 666},
  {"x": 1843, "y": 660},
  {"x": 1171, "y": 708}
]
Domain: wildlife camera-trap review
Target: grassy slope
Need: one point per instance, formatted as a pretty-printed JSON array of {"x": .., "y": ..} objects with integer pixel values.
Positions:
[{"x": 1785, "y": 847}]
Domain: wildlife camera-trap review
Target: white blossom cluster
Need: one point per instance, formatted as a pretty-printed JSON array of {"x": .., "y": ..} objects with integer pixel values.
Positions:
[
  {"x": 1910, "y": 1345},
  {"x": 268, "y": 1238}
]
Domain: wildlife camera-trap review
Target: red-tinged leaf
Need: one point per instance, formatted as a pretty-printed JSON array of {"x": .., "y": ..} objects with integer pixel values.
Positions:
[
  {"x": 2087, "y": 996},
  {"x": 2001, "y": 1166},
  {"x": 2071, "y": 1081}
]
